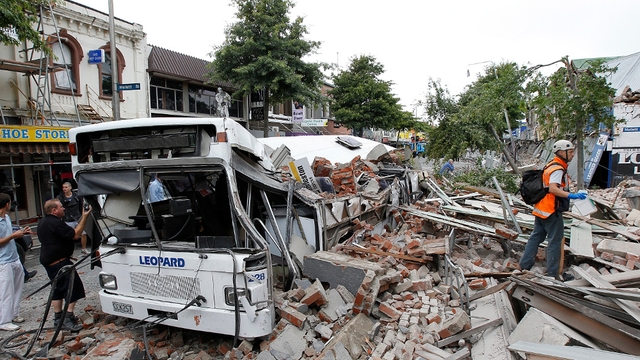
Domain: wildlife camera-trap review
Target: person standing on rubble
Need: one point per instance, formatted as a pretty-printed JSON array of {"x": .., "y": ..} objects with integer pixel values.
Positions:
[{"x": 549, "y": 223}]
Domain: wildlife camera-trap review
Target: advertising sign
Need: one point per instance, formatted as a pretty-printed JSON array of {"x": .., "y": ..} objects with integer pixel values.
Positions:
[
  {"x": 592, "y": 164},
  {"x": 298, "y": 115},
  {"x": 314, "y": 122},
  {"x": 302, "y": 172},
  {"x": 33, "y": 134}
]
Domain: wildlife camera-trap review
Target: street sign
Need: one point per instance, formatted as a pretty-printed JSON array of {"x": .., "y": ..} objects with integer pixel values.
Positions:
[
  {"x": 134, "y": 86},
  {"x": 96, "y": 56}
]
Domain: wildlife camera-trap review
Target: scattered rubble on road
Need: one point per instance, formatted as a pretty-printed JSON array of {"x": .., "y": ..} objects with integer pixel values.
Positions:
[{"x": 438, "y": 280}]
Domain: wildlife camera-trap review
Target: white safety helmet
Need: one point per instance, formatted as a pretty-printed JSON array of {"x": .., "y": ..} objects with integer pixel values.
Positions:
[{"x": 562, "y": 145}]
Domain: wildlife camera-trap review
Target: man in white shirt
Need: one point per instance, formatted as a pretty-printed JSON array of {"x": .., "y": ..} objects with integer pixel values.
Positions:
[{"x": 11, "y": 272}]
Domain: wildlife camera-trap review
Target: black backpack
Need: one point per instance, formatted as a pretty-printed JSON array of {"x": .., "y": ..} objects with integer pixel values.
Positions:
[{"x": 532, "y": 187}]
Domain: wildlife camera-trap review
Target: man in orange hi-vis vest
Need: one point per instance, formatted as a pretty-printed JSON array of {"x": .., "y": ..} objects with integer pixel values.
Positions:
[{"x": 548, "y": 211}]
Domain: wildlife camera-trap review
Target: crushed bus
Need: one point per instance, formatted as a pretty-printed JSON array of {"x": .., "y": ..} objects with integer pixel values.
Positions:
[{"x": 195, "y": 224}]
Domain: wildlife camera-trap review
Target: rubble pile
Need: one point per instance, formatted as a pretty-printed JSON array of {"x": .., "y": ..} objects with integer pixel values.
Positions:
[
  {"x": 439, "y": 280},
  {"x": 628, "y": 96}
]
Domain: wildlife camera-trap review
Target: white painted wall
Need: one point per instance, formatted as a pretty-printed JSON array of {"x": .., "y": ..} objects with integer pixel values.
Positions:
[{"x": 91, "y": 28}]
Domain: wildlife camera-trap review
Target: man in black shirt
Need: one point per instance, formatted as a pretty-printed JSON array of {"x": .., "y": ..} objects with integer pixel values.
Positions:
[
  {"x": 56, "y": 239},
  {"x": 72, "y": 211}
]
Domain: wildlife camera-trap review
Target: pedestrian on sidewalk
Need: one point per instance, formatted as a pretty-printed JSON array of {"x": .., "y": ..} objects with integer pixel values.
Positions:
[
  {"x": 73, "y": 211},
  {"x": 549, "y": 224},
  {"x": 11, "y": 273},
  {"x": 56, "y": 247}
]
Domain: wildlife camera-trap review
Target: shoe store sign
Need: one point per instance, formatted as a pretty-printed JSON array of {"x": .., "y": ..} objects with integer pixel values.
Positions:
[{"x": 33, "y": 134}]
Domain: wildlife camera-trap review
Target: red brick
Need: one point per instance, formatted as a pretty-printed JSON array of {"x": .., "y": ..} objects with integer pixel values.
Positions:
[
  {"x": 607, "y": 256},
  {"x": 315, "y": 295},
  {"x": 478, "y": 284},
  {"x": 386, "y": 245},
  {"x": 414, "y": 243},
  {"x": 389, "y": 310},
  {"x": 293, "y": 316},
  {"x": 422, "y": 284},
  {"x": 224, "y": 348},
  {"x": 359, "y": 297},
  {"x": 433, "y": 318},
  {"x": 619, "y": 260}
]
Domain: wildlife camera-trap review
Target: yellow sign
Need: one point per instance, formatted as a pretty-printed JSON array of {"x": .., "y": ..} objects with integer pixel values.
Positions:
[{"x": 33, "y": 134}]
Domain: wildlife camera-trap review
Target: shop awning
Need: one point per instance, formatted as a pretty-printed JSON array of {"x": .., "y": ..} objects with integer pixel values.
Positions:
[{"x": 34, "y": 148}]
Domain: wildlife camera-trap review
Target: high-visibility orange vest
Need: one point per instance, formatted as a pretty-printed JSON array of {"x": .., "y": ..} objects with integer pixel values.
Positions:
[{"x": 547, "y": 205}]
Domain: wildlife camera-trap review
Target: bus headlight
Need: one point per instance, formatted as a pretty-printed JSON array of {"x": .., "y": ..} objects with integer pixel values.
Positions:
[
  {"x": 108, "y": 282},
  {"x": 230, "y": 297}
]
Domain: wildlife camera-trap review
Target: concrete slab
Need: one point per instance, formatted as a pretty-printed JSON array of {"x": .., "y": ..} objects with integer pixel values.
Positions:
[
  {"x": 290, "y": 342},
  {"x": 335, "y": 302},
  {"x": 538, "y": 327},
  {"x": 351, "y": 337},
  {"x": 338, "y": 269}
]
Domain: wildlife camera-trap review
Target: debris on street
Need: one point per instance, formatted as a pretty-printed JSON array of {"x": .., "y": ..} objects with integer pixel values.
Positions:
[{"x": 430, "y": 273}]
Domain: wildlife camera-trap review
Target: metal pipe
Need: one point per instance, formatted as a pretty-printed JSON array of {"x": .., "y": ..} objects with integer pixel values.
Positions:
[{"x": 115, "y": 97}]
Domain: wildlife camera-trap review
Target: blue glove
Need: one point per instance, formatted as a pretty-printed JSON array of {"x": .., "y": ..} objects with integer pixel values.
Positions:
[{"x": 577, "y": 196}]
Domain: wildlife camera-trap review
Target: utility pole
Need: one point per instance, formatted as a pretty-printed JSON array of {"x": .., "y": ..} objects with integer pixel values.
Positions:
[{"x": 115, "y": 96}]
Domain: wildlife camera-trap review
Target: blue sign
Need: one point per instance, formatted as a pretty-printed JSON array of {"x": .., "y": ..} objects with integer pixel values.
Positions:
[
  {"x": 96, "y": 56},
  {"x": 134, "y": 86},
  {"x": 592, "y": 164},
  {"x": 631, "y": 129}
]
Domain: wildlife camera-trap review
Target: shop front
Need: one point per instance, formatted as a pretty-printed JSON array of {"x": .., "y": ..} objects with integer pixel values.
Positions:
[{"x": 34, "y": 162}]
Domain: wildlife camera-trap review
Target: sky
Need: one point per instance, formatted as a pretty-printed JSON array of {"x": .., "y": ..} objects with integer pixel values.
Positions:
[{"x": 414, "y": 40}]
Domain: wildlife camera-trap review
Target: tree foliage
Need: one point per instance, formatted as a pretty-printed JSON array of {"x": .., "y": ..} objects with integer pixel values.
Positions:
[
  {"x": 474, "y": 119},
  {"x": 570, "y": 100},
  {"x": 446, "y": 137},
  {"x": 20, "y": 15},
  {"x": 360, "y": 99},
  {"x": 264, "y": 51}
]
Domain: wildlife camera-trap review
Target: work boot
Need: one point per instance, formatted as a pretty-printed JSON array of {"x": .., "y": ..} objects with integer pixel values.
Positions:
[{"x": 71, "y": 323}]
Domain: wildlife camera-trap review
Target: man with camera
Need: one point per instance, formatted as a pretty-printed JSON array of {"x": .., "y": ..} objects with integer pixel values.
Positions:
[{"x": 57, "y": 244}]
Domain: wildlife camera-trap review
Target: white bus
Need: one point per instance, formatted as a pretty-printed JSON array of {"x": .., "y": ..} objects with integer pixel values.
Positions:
[{"x": 205, "y": 246}]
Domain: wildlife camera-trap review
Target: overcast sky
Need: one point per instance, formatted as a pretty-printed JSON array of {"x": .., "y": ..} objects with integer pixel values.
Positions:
[{"x": 413, "y": 39}]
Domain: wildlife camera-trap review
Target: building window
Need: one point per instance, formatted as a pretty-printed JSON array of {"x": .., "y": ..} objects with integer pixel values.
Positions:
[
  {"x": 67, "y": 54},
  {"x": 106, "y": 72},
  {"x": 202, "y": 101},
  {"x": 166, "y": 94}
]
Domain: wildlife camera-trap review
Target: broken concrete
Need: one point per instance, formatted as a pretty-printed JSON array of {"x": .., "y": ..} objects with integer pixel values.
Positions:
[{"x": 338, "y": 269}]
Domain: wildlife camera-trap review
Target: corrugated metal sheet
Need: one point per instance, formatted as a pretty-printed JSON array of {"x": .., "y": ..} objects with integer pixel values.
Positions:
[
  {"x": 322, "y": 145},
  {"x": 175, "y": 64},
  {"x": 628, "y": 72}
]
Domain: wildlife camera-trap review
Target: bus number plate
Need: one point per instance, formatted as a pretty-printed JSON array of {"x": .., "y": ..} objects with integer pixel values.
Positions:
[{"x": 122, "y": 308}]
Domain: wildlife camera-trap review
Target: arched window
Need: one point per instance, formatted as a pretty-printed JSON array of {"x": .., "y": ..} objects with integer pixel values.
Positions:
[
  {"x": 67, "y": 54},
  {"x": 106, "y": 72}
]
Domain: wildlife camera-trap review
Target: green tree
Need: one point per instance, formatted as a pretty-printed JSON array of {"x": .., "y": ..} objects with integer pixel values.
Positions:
[
  {"x": 572, "y": 100},
  {"x": 264, "y": 51},
  {"x": 361, "y": 100},
  {"x": 19, "y": 16},
  {"x": 487, "y": 109},
  {"x": 446, "y": 137},
  {"x": 493, "y": 104}
]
